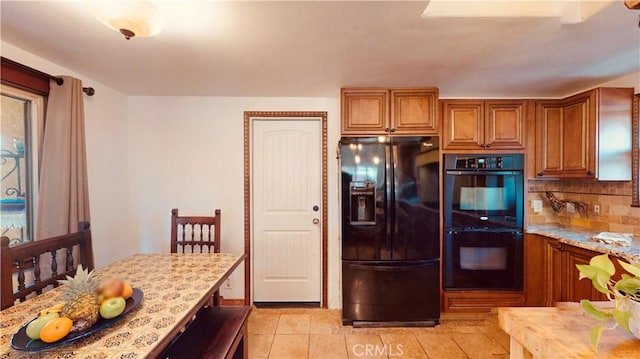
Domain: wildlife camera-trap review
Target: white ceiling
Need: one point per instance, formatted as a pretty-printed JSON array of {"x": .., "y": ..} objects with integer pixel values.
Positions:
[{"x": 313, "y": 48}]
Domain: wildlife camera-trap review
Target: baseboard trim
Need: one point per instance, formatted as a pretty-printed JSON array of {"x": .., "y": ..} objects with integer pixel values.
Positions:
[
  {"x": 279, "y": 305},
  {"x": 231, "y": 302}
]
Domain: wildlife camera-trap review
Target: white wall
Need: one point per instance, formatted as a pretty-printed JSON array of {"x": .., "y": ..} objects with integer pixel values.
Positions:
[
  {"x": 631, "y": 80},
  {"x": 105, "y": 131},
  {"x": 187, "y": 153},
  {"x": 147, "y": 155}
]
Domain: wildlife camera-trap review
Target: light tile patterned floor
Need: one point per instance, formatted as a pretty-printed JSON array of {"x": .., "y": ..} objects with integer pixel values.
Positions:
[{"x": 319, "y": 334}]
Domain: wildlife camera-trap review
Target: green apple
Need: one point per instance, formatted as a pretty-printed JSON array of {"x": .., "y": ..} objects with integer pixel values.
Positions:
[
  {"x": 112, "y": 307},
  {"x": 34, "y": 328}
]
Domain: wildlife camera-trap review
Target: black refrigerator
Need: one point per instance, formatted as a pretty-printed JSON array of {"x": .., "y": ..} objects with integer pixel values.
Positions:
[{"x": 390, "y": 231}]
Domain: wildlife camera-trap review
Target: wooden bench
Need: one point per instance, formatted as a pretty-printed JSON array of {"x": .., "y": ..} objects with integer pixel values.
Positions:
[{"x": 217, "y": 332}]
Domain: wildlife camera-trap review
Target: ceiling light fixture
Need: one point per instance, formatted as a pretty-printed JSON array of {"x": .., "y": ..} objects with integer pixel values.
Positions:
[{"x": 131, "y": 18}]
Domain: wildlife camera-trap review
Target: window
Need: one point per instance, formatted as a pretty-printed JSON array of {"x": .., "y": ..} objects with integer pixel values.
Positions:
[
  {"x": 21, "y": 123},
  {"x": 23, "y": 99}
]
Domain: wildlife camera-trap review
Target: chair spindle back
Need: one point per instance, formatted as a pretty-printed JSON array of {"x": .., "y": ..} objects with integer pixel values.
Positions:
[
  {"x": 24, "y": 261},
  {"x": 194, "y": 234}
]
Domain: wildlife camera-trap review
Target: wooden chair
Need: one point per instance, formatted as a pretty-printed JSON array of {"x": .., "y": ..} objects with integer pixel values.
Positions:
[
  {"x": 194, "y": 234},
  {"x": 26, "y": 258},
  {"x": 216, "y": 332}
]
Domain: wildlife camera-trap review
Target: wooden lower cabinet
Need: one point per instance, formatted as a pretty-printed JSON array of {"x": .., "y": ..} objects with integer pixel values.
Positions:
[
  {"x": 535, "y": 269},
  {"x": 573, "y": 289},
  {"x": 551, "y": 275},
  {"x": 553, "y": 280}
]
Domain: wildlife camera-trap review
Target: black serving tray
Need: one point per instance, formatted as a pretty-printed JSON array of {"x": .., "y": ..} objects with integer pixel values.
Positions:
[{"x": 20, "y": 340}]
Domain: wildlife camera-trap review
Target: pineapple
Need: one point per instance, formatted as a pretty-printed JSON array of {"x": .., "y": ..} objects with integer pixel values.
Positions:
[{"x": 81, "y": 302}]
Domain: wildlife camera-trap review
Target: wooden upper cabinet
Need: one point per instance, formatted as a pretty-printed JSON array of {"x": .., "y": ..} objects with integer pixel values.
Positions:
[
  {"x": 364, "y": 111},
  {"x": 479, "y": 124},
  {"x": 549, "y": 138},
  {"x": 565, "y": 136},
  {"x": 587, "y": 135},
  {"x": 414, "y": 111},
  {"x": 375, "y": 111},
  {"x": 463, "y": 124},
  {"x": 505, "y": 123}
]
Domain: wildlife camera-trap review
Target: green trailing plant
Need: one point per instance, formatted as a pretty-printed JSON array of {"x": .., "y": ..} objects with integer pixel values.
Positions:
[{"x": 601, "y": 270}]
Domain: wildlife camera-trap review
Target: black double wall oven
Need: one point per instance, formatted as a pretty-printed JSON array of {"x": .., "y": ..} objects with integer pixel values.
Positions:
[{"x": 483, "y": 222}]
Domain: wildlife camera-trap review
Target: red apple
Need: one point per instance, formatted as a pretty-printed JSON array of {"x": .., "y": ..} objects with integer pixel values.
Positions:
[{"x": 111, "y": 288}]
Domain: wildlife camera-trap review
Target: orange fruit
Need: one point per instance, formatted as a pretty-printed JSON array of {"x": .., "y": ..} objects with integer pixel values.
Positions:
[
  {"x": 127, "y": 291},
  {"x": 56, "y": 329}
]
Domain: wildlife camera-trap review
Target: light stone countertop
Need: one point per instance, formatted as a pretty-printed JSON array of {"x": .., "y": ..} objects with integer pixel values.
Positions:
[{"x": 581, "y": 237}]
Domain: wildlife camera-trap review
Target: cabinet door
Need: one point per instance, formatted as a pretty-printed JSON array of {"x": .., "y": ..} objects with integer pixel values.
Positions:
[
  {"x": 578, "y": 136},
  {"x": 566, "y": 137},
  {"x": 504, "y": 123},
  {"x": 463, "y": 124},
  {"x": 535, "y": 277},
  {"x": 573, "y": 289},
  {"x": 364, "y": 111},
  {"x": 414, "y": 111},
  {"x": 553, "y": 272},
  {"x": 548, "y": 139}
]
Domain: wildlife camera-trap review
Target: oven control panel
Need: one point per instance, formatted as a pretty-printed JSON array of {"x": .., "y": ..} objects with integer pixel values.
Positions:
[
  {"x": 488, "y": 162},
  {"x": 480, "y": 162}
]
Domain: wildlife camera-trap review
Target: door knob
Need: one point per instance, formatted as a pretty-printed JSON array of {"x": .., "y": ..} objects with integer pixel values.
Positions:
[{"x": 316, "y": 221}]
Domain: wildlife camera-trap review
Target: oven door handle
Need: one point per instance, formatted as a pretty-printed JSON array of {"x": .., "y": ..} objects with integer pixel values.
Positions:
[
  {"x": 483, "y": 230},
  {"x": 389, "y": 268},
  {"x": 484, "y": 172}
]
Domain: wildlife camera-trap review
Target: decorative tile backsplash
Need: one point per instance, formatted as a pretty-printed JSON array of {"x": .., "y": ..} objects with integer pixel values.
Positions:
[{"x": 614, "y": 199}]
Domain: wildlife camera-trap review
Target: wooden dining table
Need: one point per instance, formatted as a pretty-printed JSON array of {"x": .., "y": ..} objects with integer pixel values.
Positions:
[{"x": 174, "y": 287}]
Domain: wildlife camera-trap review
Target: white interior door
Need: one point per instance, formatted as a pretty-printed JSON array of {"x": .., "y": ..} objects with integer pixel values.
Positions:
[{"x": 287, "y": 193}]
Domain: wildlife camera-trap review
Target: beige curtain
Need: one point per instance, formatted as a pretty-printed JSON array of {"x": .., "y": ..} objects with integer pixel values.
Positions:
[{"x": 63, "y": 195}]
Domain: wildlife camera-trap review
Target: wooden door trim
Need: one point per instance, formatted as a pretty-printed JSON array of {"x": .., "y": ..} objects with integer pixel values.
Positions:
[
  {"x": 283, "y": 115},
  {"x": 635, "y": 154}
]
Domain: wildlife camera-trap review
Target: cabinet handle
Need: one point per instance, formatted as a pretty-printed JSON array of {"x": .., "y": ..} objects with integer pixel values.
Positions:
[
  {"x": 487, "y": 146},
  {"x": 539, "y": 174},
  {"x": 387, "y": 129},
  {"x": 393, "y": 130},
  {"x": 589, "y": 173}
]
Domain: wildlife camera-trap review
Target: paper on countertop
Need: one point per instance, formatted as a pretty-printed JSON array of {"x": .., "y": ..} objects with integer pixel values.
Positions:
[{"x": 617, "y": 239}]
